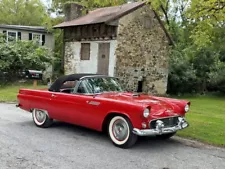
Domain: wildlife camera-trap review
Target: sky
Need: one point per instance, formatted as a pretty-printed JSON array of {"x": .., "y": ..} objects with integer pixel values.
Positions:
[{"x": 47, "y": 2}]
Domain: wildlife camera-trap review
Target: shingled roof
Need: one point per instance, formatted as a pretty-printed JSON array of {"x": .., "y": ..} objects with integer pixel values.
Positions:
[
  {"x": 102, "y": 15},
  {"x": 26, "y": 28},
  {"x": 108, "y": 14}
]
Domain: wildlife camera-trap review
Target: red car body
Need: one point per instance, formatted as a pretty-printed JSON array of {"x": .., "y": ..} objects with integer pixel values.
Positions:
[
  {"x": 92, "y": 111},
  {"x": 76, "y": 109}
]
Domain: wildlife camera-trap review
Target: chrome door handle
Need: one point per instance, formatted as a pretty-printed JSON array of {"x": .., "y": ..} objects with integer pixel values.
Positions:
[
  {"x": 53, "y": 95},
  {"x": 95, "y": 103}
]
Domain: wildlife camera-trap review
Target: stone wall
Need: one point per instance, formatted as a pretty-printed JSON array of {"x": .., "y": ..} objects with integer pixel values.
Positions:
[
  {"x": 69, "y": 58},
  {"x": 142, "y": 51}
]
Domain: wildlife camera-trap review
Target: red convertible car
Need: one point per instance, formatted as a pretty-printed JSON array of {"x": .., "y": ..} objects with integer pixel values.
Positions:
[{"x": 98, "y": 102}]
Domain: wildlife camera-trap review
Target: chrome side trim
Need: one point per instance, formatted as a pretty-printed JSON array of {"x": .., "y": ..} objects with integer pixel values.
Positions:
[{"x": 160, "y": 129}]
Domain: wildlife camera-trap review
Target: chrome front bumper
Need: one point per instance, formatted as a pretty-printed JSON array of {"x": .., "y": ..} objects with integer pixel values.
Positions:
[{"x": 160, "y": 129}]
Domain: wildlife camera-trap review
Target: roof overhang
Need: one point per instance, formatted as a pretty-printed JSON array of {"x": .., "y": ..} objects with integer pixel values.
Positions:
[{"x": 25, "y": 28}]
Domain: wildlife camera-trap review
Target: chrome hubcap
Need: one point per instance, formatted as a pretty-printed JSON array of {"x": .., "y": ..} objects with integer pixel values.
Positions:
[
  {"x": 40, "y": 116},
  {"x": 120, "y": 130}
]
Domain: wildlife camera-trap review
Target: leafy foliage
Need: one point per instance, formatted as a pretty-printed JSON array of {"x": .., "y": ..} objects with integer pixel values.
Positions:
[
  {"x": 216, "y": 76},
  {"x": 22, "y": 12},
  {"x": 18, "y": 56},
  {"x": 197, "y": 58},
  {"x": 182, "y": 75}
]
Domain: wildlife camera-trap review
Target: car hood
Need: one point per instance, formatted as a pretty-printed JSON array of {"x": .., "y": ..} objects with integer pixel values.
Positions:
[{"x": 159, "y": 105}]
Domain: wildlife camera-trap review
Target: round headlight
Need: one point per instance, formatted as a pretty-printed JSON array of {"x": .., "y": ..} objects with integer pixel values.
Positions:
[
  {"x": 146, "y": 112},
  {"x": 186, "y": 108}
]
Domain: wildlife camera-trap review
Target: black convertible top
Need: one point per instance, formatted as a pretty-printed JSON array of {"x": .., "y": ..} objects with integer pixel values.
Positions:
[{"x": 55, "y": 87}]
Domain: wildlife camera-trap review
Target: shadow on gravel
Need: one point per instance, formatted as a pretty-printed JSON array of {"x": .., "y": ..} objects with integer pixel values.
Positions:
[
  {"x": 143, "y": 143},
  {"x": 77, "y": 130},
  {"x": 155, "y": 143}
]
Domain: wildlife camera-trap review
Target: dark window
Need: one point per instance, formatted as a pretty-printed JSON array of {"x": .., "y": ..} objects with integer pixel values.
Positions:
[
  {"x": 5, "y": 34},
  {"x": 85, "y": 51},
  {"x": 37, "y": 38},
  {"x": 43, "y": 40},
  {"x": 19, "y": 35},
  {"x": 11, "y": 36},
  {"x": 30, "y": 36}
]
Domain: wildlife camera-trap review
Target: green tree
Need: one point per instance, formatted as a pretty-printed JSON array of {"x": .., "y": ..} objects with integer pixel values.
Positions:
[
  {"x": 206, "y": 16},
  {"x": 22, "y": 12},
  {"x": 197, "y": 58}
]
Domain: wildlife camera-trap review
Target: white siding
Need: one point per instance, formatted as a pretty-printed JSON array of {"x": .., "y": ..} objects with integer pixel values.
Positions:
[
  {"x": 49, "y": 38},
  {"x": 91, "y": 66},
  {"x": 112, "y": 57}
]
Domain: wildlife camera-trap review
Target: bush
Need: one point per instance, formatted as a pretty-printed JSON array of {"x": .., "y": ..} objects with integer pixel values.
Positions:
[
  {"x": 182, "y": 75},
  {"x": 217, "y": 77},
  {"x": 18, "y": 56},
  {"x": 195, "y": 71}
]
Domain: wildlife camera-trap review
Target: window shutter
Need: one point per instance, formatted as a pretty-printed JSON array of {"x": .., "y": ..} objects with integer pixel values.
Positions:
[
  {"x": 43, "y": 40},
  {"x": 19, "y": 35},
  {"x": 30, "y": 36},
  {"x": 85, "y": 51}
]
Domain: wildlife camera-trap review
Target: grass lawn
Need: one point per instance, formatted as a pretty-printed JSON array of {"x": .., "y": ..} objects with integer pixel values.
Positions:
[
  {"x": 9, "y": 93},
  {"x": 207, "y": 120}
]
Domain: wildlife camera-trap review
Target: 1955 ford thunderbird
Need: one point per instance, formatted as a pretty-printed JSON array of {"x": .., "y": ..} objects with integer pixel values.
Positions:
[{"x": 98, "y": 102}]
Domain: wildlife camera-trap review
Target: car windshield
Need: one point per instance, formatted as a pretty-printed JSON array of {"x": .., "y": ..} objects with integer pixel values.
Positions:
[{"x": 100, "y": 85}]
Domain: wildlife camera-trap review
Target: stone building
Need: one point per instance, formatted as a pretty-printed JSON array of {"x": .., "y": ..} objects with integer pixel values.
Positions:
[{"x": 127, "y": 41}]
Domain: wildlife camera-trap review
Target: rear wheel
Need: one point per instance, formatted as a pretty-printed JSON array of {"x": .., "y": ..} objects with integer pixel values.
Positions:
[
  {"x": 120, "y": 132},
  {"x": 166, "y": 136},
  {"x": 41, "y": 118}
]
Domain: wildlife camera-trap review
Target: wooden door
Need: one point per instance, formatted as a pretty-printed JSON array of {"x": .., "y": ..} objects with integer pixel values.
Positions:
[{"x": 103, "y": 58}]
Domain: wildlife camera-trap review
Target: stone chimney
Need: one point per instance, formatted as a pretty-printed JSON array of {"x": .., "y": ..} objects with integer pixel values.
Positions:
[{"x": 72, "y": 11}]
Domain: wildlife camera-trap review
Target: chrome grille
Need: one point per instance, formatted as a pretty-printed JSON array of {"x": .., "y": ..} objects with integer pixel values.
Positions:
[{"x": 168, "y": 122}]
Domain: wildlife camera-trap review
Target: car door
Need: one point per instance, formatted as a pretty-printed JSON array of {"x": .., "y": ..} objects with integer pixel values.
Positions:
[
  {"x": 77, "y": 108},
  {"x": 60, "y": 106},
  {"x": 86, "y": 109},
  {"x": 61, "y": 103}
]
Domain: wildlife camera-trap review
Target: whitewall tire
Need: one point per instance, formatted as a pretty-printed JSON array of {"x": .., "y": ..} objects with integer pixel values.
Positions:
[
  {"x": 120, "y": 132},
  {"x": 41, "y": 118}
]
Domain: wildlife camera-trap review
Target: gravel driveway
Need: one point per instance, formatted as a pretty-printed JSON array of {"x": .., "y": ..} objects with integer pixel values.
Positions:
[{"x": 23, "y": 145}]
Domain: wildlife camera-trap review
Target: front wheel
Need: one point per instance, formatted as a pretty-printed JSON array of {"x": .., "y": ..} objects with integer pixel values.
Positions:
[
  {"x": 120, "y": 132},
  {"x": 166, "y": 136},
  {"x": 41, "y": 118}
]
